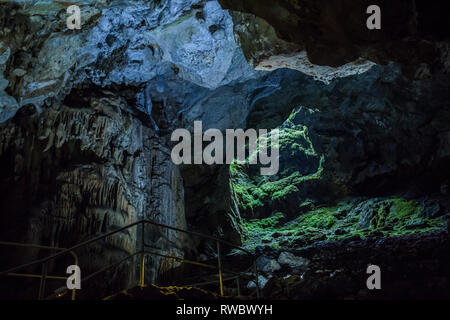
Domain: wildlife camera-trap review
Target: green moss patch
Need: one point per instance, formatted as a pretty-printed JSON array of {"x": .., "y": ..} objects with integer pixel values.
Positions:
[
  {"x": 299, "y": 163},
  {"x": 352, "y": 219}
]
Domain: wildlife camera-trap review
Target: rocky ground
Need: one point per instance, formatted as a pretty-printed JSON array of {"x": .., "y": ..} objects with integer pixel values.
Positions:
[
  {"x": 413, "y": 266},
  {"x": 164, "y": 293}
]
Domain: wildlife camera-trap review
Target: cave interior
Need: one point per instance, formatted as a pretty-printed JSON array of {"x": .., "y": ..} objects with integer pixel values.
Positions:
[{"x": 363, "y": 116}]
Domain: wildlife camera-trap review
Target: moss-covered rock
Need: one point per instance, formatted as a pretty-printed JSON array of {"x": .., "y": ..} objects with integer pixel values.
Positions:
[
  {"x": 295, "y": 208},
  {"x": 299, "y": 163},
  {"x": 352, "y": 219}
]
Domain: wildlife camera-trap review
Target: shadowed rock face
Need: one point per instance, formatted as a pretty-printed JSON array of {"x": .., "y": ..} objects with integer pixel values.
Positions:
[
  {"x": 171, "y": 53},
  {"x": 379, "y": 196},
  {"x": 376, "y": 127},
  {"x": 410, "y": 270},
  {"x": 376, "y": 133},
  {"x": 88, "y": 161},
  {"x": 414, "y": 33},
  {"x": 86, "y": 168},
  {"x": 82, "y": 162}
]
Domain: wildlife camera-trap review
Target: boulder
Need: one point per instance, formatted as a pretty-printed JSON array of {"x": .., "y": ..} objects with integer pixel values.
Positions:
[
  {"x": 262, "y": 281},
  {"x": 267, "y": 265},
  {"x": 297, "y": 264}
]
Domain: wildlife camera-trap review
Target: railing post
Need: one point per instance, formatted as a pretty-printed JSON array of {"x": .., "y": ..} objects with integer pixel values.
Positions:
[
  {"x": 219, "y": 260},
  {"x": 142, "y": 256},
  {"x": 238, "y": 286},
  {"x": 42, "y": 284},
  {"x": 74, "y": 291},
  {"x": 142, "y": 252},
  {"x": 172, "y": 272},
  {"x": 255, "y": 268}
]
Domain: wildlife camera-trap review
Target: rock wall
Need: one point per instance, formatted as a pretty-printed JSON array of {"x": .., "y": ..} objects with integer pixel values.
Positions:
[
  {"x": 173, "y": 54},
  {"x": 82, "y": 169},
  {"x": 413, "y": 33},
  {"x": 372, "y": 134}
]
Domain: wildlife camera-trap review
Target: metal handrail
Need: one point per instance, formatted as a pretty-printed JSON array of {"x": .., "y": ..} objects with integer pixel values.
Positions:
[
  {"x": 142, "y": 252},
  {"x": 42, "y": 277},
  {"x": 236, "y": 276},
  {"x": 201, "y": 235},
  {"x": 80, "y": 245}
]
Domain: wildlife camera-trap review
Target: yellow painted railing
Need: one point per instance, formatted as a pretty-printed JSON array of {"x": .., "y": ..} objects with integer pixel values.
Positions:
[{"x": 142, "y": 252}]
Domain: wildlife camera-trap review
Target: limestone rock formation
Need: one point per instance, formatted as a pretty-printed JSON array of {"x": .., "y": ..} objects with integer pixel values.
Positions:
[
  {"x": 264, "y": 50},
  {"x": 333, "y": 33},
  {"x": 83, "y": 169}
]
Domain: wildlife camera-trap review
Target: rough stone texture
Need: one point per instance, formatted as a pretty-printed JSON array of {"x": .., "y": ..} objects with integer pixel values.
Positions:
[
  {"x": 171, "y": 53},
  {"x": 267, "y": 265},
  {"x": 209, "y": 207},
  {"x": 118, "y": 44},
  {"x": 83, "y": 169},
  {"x": 395, "y": 130},
  {"x": 412, "y": 267},
  {"x": 378, "y": 133},
  {"x": 297, "y": 264},
  {"x": 413, "y": 33},
  {"x": 258, "y": 39},
  {"x": 262, "y": 281},
  {"x": 265, "y": 51}
]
